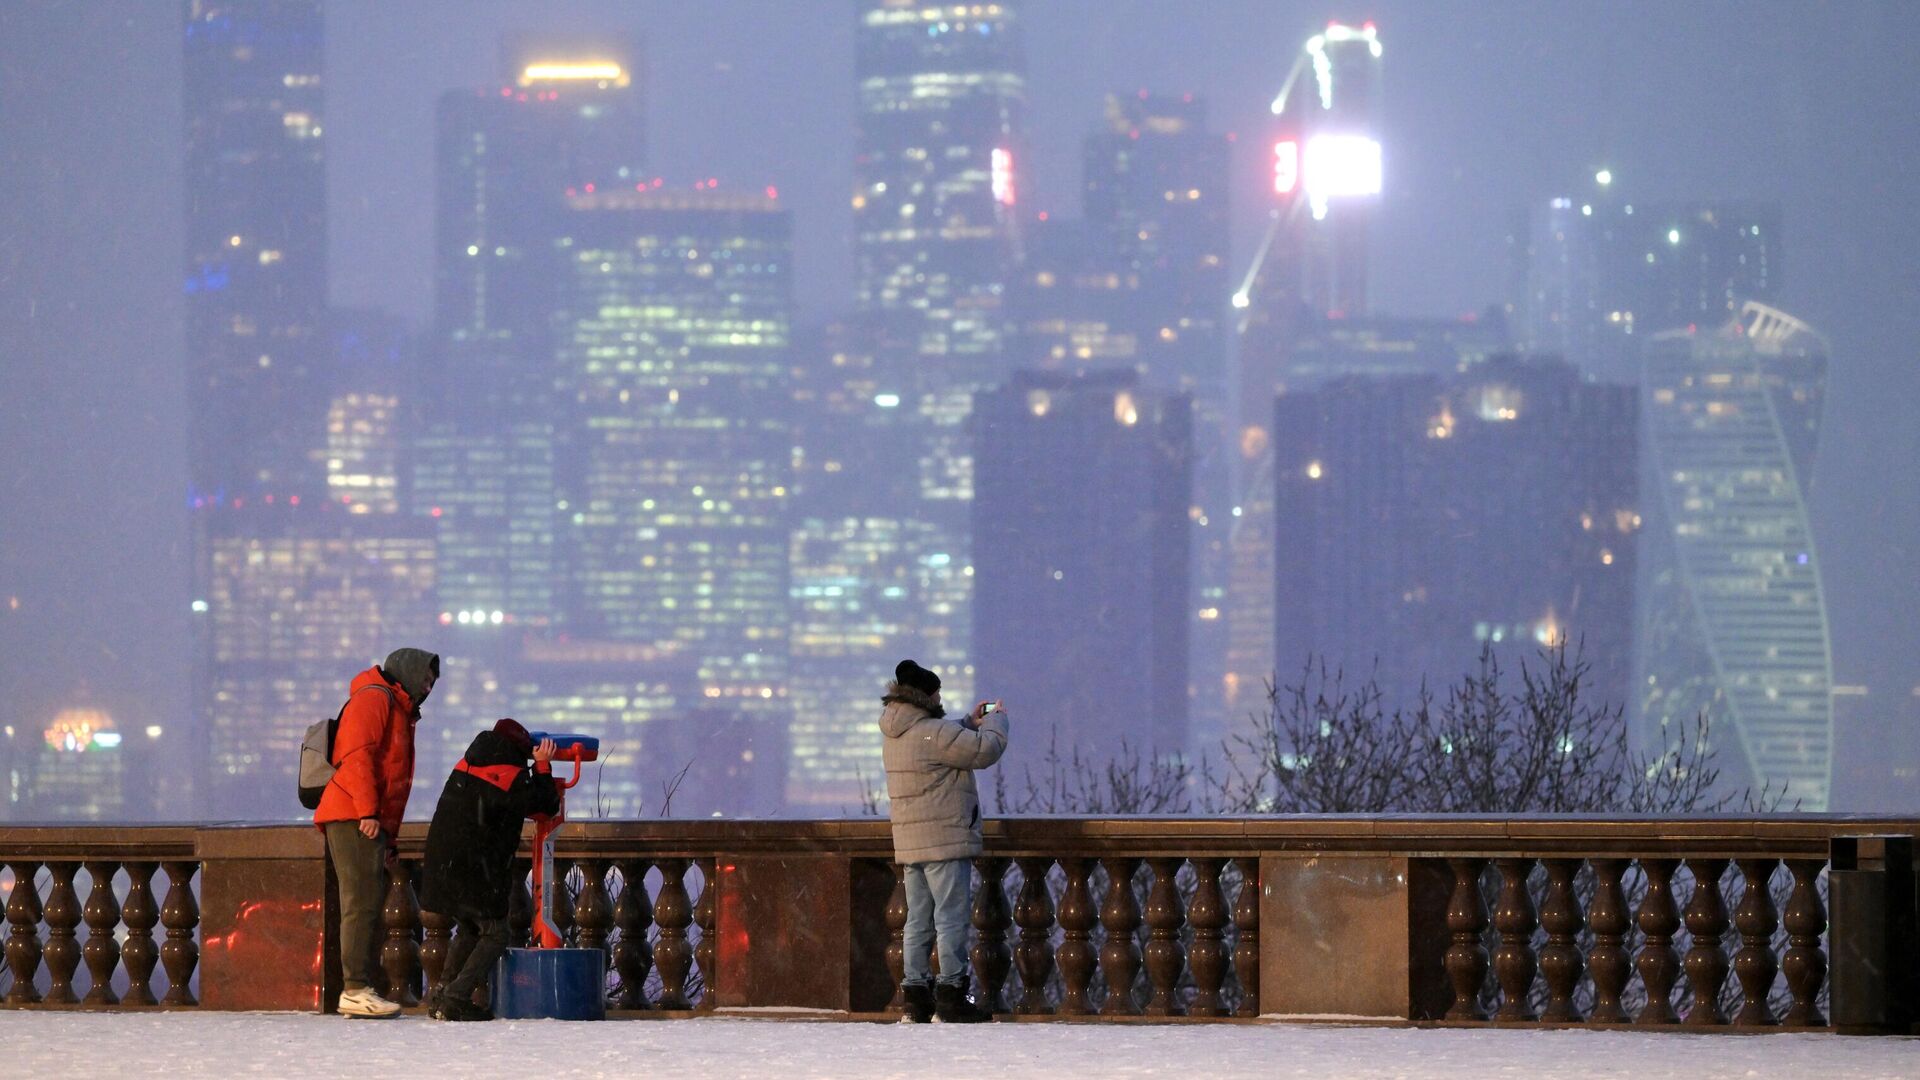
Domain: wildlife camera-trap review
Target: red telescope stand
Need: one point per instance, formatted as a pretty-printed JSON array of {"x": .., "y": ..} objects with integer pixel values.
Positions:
[{"x": 545, "y": 934}]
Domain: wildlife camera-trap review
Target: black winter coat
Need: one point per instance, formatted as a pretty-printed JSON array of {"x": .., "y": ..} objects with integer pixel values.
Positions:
[{"x": 476, "y": 827}]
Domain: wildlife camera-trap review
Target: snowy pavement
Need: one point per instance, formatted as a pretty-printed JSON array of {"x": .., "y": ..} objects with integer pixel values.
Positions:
[{"x": 45, "y": 1045}]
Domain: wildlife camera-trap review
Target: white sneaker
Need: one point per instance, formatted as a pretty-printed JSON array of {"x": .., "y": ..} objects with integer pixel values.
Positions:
[{"x": 366, "y": 1004}]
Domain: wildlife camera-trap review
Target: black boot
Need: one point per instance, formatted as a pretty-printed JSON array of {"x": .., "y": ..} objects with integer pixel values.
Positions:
[
  {"x": 461, "y": 1009},
  {"x": 919, "y": 999},
  {"x": 951, "y": 1005}
]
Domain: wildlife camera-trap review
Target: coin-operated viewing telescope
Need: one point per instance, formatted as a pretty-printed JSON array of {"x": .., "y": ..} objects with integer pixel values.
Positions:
[{"x": 550, "y": 980}]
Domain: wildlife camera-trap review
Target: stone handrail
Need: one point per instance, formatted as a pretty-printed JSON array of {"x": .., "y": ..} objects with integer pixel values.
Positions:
[{"x": 1702, "y": 923}]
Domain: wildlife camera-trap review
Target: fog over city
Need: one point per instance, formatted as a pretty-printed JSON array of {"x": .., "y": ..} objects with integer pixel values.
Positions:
[{"x": 674, "y": 370}]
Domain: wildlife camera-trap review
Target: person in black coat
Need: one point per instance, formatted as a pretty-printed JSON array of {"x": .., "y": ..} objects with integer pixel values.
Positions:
[{"x": 470, "y": 845}]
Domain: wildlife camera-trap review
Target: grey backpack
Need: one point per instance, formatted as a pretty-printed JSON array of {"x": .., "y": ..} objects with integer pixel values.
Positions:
[{"x": 316, "y": 753}]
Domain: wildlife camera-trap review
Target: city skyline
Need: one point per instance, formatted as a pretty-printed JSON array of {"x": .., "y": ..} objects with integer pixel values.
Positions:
[{"x": 357, "y": 421}]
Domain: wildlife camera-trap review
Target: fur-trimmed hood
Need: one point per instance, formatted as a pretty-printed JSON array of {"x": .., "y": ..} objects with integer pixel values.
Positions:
[{"x": 906, "y": 706}]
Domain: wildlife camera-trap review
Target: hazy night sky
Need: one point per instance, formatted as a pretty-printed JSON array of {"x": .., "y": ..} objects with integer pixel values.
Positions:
[{"x": 1489, "y": 108}]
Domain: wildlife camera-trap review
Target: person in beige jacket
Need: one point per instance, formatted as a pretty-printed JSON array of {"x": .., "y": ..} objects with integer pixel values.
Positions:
[{"x": 935, "y": 808}]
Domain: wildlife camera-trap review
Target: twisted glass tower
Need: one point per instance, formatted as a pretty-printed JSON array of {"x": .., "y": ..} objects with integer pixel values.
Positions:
[{"x": 1733, "y": 623}]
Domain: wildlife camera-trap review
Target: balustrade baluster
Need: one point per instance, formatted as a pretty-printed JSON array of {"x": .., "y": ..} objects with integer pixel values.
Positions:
[
  {"x": 102, "y": 915},
  {"x": 1514, "y": 919},
  {"x": 1608, "y": 961},
  {"x": 519, "y": 906},
  {"x": 1466, "y": 959},
  {"x": 897, "y": 937},
  {"x": 1120, "y": 955},
  {"x": 62, "y": 915},
  {"x": 1805, "y": 963},
  {"x": 992, "y": 959},
  {"x": 563, "y": 922},
  {"x": 1754, "y": 965},
  {"x": 140, "y": 914},
  {"x": 436, "y": 929},
  {"x": 1658, "y": 919},
  {"x": 1560, "y": 958},
  {"x": 23, "y": 937},
  {"x": 1034, "y": 914},
  {"x": 1246, "y": 941},
  {"x": 632, "y": 914},
  {"x": 707, "y": 953},
  {"x": 1165, "y": 958},
  {"x": 400, "y": 949},
  {"x": 180, "y": 914},
  {"x": 1208, "y": 917},
  {"x": 1706, "y": 960},
  {"x": 592, "y": 908},
  {"x": 1075, "y": 956},
  {"x": 673, "y": 913}
]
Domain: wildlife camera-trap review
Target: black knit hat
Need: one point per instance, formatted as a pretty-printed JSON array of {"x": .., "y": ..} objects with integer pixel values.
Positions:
[{"x": 912, "y": 674}]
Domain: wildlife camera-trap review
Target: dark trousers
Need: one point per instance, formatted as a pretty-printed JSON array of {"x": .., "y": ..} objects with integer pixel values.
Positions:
[
  {"x": 360, "y": 865},
  {"x": 470, "y": 958}
]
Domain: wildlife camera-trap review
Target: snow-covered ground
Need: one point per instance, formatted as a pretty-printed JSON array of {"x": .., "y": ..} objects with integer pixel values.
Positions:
[{"x": 42, "y": 1045}]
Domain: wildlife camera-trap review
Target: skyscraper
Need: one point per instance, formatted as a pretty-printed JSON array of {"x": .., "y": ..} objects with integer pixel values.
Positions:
[
  {"x": 937, "y": 179},
  {"x": 566, "y": 114},
  {"x": 1070, "y": 303},
  {"x": 1732, "y": 616},
  {"x": 256, "y": 273},
  {"x": 1156, "y": 183},
  {"x": 1156, "y": 190},
  {"x": 1420, "y": 517},
  {"x": 673, "y": 325},
  {"x": 1310, "y": 266},
  {"x": 256, "y": 293},
  {"x": 1080, "y": 581},
  {"x": 936, "y": 182},
  {"x": 1602, "y": 274},
  {"x": 866, "y": 592},
  {"x": 1317, "y": 352}
]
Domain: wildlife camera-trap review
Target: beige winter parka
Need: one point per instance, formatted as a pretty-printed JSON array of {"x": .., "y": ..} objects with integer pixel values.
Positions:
[{"x": 930, "y": 760}]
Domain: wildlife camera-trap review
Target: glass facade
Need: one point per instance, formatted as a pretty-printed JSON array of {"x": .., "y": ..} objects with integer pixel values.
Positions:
[
  {"x": 299, "y": 601},
  {"x": 256, "y": 259},
  {"x": 861, "y": 590},
  {"x": 672, "y": 339},
  {"x": 256, "y": 337},
  {"x": 942, "y": 93},
  {"x": 1732, "y": 617}
]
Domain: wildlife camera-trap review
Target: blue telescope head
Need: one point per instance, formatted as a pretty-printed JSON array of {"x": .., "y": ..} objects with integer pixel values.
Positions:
[{"x": 570, "y": 747}]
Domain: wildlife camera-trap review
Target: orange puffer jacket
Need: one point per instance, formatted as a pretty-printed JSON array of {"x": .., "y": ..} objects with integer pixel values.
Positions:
[{"x": 372, "y": 757}]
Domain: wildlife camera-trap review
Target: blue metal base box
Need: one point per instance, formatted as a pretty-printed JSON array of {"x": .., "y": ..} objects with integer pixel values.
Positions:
[{"x": 551, "y": 984}]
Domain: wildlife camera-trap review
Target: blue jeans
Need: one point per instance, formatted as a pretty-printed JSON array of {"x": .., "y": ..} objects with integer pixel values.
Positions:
[{"x": 939, "y": 904}]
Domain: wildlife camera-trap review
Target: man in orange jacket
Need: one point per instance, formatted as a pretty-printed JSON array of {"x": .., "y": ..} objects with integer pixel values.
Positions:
[{"x": 361, "y": 808}]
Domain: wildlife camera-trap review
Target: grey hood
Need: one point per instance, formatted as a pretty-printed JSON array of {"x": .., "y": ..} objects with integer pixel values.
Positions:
[{"x": 414, "y": 670}]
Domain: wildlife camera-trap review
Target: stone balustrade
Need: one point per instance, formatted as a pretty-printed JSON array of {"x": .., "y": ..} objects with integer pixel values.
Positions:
[{"x": 1698, "y": 924}]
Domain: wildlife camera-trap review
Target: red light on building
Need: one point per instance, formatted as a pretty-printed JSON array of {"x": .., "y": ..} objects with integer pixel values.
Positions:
[
  {"x": 1286, "y": 166},
  {"x": 1002, "y": 174}
]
